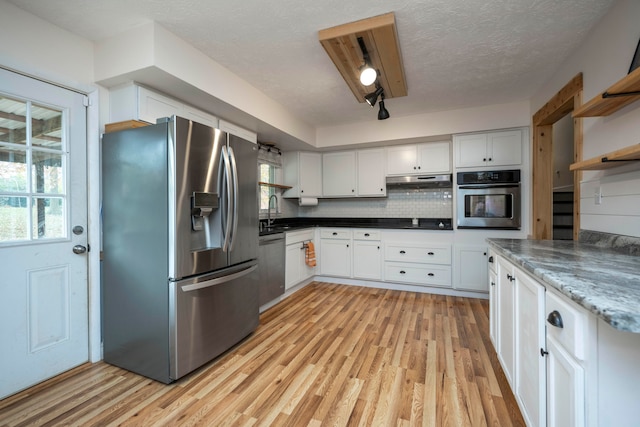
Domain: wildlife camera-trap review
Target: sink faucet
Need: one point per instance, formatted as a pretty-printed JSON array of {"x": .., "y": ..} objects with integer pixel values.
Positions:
[{"x": 269, "y": 221}]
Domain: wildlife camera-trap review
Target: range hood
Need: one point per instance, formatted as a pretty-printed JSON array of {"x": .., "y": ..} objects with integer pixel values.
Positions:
[{"x": 420, "y": 181}]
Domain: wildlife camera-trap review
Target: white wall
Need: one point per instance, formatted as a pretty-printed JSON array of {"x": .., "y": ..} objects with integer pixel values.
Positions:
[
  {"x": 501, "y": 116},
  {"x": 38, "y": 48},
  {"x": 604, "y": 58}
]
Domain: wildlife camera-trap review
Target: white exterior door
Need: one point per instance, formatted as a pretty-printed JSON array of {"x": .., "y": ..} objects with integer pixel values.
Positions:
[{"x": 43, "y": 218}]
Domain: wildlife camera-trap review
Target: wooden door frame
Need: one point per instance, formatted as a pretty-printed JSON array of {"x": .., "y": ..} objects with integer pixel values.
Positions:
[{"x": 562, "y": 103}]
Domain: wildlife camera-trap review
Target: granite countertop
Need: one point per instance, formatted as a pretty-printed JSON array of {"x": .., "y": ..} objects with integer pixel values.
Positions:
[
  {"x": 602, "y": 280},
  {"x": 292, "y": 224}
]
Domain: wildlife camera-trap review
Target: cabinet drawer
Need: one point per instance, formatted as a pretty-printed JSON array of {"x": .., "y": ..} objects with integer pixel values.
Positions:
[
  {"x": 298, "y": 236},
  {"x": 366, "y": 235},
  {"x": 335, "y": 233},
  {"x": 418, "y": 253},
  {"x": 436, "y": 275},
  {"x": 574, "y": 322}
]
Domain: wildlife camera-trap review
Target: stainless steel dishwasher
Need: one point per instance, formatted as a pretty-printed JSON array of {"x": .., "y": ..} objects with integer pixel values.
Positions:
[{"x": 271, "y": 257}]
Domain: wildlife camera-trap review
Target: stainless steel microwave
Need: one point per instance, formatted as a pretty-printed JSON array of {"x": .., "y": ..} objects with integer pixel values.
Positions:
[{"x": 489, "y": 199}]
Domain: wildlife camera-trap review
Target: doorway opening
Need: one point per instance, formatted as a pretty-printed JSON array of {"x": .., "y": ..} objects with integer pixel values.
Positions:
[{"x": 547, "y": 168}]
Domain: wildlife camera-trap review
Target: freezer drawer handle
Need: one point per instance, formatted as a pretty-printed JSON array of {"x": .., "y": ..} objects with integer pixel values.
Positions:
[{"x": 218, "y": 281}]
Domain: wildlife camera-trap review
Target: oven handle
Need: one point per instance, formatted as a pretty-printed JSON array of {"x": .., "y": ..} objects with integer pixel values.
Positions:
[{"x": 481, "y": 187}]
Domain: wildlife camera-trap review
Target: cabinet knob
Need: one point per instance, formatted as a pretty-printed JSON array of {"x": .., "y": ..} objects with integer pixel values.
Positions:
[
  {"x": 493, "y": 283},
  {"x": 378, "y": 247},
  {"x": 414, "y": 168},
  {"x": 418, "y": 167},
  {"x": 543, "y": 353},
  {"x": 555, "y": 319},
  {"x": 484, "y": 159},
  {"x": 347, "y": 245},
  {"x": 301, "y": 191},
  {"x": 491, "y": 259},
  {"x": 382, "y": 189},
  {"x": 490, "y": 159},
  {"x": 353, "y": 191}
]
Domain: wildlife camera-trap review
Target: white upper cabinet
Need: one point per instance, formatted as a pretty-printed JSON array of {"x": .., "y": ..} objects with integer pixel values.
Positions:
[
  {"x": 133, "y": 102},
  {"x": 339, "y": 174},
  {"x": 302, "y": 171},
  {"x": 428, "y": 158},
  {"x": 236, "y": 130},
  {"x": 502, "y": 148},
  {"x": 371, "y": 173}
]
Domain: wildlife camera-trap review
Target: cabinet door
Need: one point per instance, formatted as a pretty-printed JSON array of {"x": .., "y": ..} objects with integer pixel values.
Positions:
[
  {"x": 494, "y": 318},
  {"x": 471, "y": 268},
  {"x": 339, "y": 174},
  {"x": 153, "y": 106},
  {"x": 367, "y": 260},
  {"x": 310, "y": 174},
  {"x": 434, "y": 157},
  {"x": 530, "y": 339},
  {"x": 401, "y": 160},
  {"x": 292, "y": 274},
  {"x": 371, "y": 173},
  {"x": 506, "y": 326},
  {"x": 565, "y": 388},
  {"x": 504, "y": 148},
  {"x": 471, "y": 150},
  {"x": 305, "y": 270},
  {"x": 335, "y": 257}
]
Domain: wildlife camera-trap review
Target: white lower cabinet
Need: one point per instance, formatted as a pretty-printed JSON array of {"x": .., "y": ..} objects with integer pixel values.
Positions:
[
  {"x": 367, "y": 255},
  {"x": 565, "y": 388},
  {"x": 530, "y": 342},
  {"x": 506, "y": 326},
  {"x": 418, "y": 264},
  {"x": 547, "y": 346},
  {"x": 296, "y": 268},
  {"x": 471, "y": 271},
  {"x": 335, "y": 252}
]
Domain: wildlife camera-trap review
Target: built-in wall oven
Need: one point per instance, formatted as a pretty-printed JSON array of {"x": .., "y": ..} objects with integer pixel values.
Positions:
[{"x": 489, "y": 199}]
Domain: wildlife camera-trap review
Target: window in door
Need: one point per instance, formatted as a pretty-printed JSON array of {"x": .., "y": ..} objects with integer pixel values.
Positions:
[{"x": 33, "y": 167}]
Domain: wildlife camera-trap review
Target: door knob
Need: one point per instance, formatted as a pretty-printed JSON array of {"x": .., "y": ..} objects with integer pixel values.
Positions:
[{"x": 79, "y": 249}]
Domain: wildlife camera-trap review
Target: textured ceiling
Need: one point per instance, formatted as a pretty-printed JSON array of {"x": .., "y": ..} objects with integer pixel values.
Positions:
[{"x": 456, "y": 53}]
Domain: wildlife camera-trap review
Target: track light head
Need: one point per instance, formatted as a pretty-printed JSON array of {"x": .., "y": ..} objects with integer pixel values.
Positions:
[
  {"x": 372, "y": 97},
  {"x": 368, "y": 75},
  {"x": 383, "y": 113}
]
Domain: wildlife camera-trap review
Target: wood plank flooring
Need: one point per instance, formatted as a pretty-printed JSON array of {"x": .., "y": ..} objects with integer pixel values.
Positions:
[{"x": 328, "y": 355}]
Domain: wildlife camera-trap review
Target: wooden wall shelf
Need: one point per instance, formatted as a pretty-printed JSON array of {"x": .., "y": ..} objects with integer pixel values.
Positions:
[
  {"x": 609, "y": 160},
  {"x": 621, "y": 94},
  {"x": 268, "y": 184}
]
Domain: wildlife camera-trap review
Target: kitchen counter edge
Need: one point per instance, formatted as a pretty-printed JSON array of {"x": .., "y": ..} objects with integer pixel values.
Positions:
[{"x": 602, "y": 281}]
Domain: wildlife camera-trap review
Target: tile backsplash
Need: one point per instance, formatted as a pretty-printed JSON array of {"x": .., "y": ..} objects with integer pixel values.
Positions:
[{"x": 399, "y": 203}]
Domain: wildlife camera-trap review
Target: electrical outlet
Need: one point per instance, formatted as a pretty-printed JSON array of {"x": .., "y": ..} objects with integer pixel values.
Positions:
[{"x": 597, "y": 196}]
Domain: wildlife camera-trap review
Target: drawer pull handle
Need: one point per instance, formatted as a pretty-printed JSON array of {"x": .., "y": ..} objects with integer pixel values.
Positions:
[
  {"x": 334, "y": 234},
  {"x": 402, "y": 272},
  {"x": 430, "y": 274},
  {"x": 542, "y": 352},
  {"x": 366, "y": 234},
  {"x": 555, "y": 319},
  {"x": 402, "y": 252},
  {"x": 430, "y": 253},
  {"x": 491, "y": 259},
  {"x": 493, "y": 283}
]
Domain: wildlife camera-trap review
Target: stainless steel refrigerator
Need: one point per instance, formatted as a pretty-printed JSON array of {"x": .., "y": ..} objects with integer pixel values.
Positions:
[{"x": 180, "y": 241}]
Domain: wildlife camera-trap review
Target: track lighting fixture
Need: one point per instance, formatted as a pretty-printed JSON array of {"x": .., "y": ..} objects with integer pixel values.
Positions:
[
  {"x": 383, "y": 113},
  {"x": 372, "y": 97}
]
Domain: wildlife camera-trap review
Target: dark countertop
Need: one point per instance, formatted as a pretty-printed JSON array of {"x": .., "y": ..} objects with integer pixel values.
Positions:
[
  {"x": 602, "y": 280},
  {"x": 292, "y": 224}
]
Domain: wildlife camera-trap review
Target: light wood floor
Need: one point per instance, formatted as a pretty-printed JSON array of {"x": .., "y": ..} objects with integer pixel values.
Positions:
[{"x": 328, "y": 355}]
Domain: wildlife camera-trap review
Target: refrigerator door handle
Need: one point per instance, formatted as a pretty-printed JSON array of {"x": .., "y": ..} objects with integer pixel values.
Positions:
[
  {"x": 229, "y": 200},
  {"x": 218, "y": 281},
  {"x": 234, "y": 174}
]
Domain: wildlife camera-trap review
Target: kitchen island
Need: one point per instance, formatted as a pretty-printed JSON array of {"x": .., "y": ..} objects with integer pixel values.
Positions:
[{"x": 565, "y": 322}]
